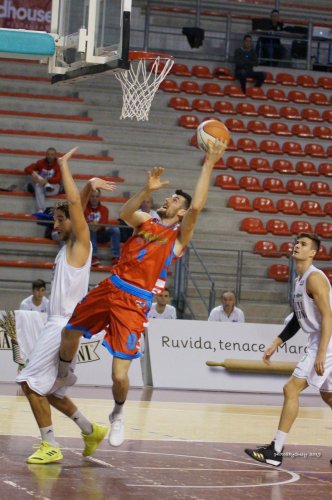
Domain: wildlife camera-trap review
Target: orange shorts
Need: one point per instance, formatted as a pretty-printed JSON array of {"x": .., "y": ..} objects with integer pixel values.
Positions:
[{"x": 117, "y": 307}]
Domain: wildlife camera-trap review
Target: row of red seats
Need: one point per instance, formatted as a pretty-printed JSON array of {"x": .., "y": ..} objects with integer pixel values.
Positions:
[
  {"x": 201, "y": 71},
  {"x": 266, "y": 205},
  {"x": 302, "y": 167},
  {"x": 273, "y": 185},
  {"x": 247, "y": 109},
  {"x": 272, "y": 147},
  {"x": 267, "y": 248},
  {"x": 278, "y": 227},
  {"x": 280, "y": 272}
]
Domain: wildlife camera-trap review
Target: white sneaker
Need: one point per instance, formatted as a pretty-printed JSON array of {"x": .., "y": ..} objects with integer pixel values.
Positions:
[
  {"x": 116, "y": 435},
  {"x": 48, "y": 187}
]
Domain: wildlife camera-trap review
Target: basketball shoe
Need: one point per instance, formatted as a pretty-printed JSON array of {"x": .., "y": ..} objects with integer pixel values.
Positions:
[
  {"x": 93, "y": 440},
  {"x": 266, "y": 454},
  {"x": 116, "y": 435},
  {"x": 45, "y": 454}
]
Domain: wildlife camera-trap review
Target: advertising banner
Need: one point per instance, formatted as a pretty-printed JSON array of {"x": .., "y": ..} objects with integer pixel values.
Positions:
[{"x": 26, "y": 14}]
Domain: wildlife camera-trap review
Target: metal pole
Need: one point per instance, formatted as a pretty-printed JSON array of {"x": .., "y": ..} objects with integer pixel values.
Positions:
[
  {"x": 309, "y": 46},
  {"x": 198, "y": 13},
  {"x": 212, "y": 298},
  {"x": 239, "y": 274},
  {"x": 146, "y": 27},
  {"x": 228, "y": 37}
]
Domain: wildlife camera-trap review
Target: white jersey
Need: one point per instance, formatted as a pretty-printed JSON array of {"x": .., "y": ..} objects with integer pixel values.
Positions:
[
  {"x": 169, "y": 312},
  {"x": 69, "y": 284},
  {"x": 28, "y": 305},
  {"x": 218, "y": 314}
]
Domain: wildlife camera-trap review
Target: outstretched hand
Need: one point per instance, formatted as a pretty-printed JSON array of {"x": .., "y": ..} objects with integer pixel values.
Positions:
[
  {"x": 67, "y": 155},
  {"x": 97, "y": 183},
  {"x": 269, "y": 351},
  {"x": 215, "y": 150},
  {"x": 154, "y": 182}
]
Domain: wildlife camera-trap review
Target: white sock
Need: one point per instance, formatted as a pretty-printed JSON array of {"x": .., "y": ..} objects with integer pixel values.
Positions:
[
  {"x": 117, "y": 410},
  {"x": 83, "y": 423},
  {"x": 47, "y": 434},
  {"x": 279, "y": 440}
]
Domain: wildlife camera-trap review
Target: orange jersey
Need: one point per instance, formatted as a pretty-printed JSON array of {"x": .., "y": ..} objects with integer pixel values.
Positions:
[{"x": 147, "y": 255}]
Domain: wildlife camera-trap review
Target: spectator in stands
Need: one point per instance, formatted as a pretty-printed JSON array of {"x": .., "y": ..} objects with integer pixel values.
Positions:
[
  {"x": 245, "y": 58},
  {"x": 46, "y": 178},
  {"x": 96, "y": 215},
  {"x": 227, "y": 311},
  {"x": 269, "y": 48},
  {"x": 147, "y": 207},
  {"x": 161, "y": 309},
  {"x": 37, "y": 301}
]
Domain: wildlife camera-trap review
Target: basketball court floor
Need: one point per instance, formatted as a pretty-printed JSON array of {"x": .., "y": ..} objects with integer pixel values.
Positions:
[{"x": 179, "y": 445}]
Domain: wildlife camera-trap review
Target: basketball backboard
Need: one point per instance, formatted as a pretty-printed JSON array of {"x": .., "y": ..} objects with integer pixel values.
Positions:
[{"x": 91, "y": 36}]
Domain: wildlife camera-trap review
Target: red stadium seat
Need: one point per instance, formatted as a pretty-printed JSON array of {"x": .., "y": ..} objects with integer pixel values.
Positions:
[
  {"x": 266, "y": 248},
  {"x": 258, "y": 127},
  {"x": 278, "y": 272},
  {"x": 287, "y": 206},
  {"x": 328, "y": 272},
  {"x": 312, "y": 208},
  {"x": 319, "y": 99},
  {"x": 225, "y": 181},
  {"x": 322, "y": 253},
  {"x": 297, "y": 186},
  {"x": 237, "y": 163},
  {"x": 202, "y": 105},
  {"x": 268, "y": 111},
  {"x": 190, "y": 87},
  {"x": 253, "y": 225},
  {"x": 327, "y": 115},
  {"x": 233, "y": 91},
  {"x": 283, "y": 167},
  {"x": 224, "y": 108},
  {"x": 325, "y": 82},
  {"x": 306, "y": 81},
  {"x": 274, "y": 185},
  {"x": 270, "y": 147},
  {"x": 279, "y": 128},
  {"x": 320, "y": 188},
  {"x": 246, "y": 109},
  {"x": 312, "y": 115},
  {"x": 292, "y": 148},
  {"x": 329, "y": 151},
  {"x": 278, "y": 227},
  {"x": 201, "y": 72},
  {"x": 302, "y": 130},
  {"x": 169, "y": 86},
  {"x": 298, "y": 96},
  {"x": 188, "y": 121},
  {"x": 180, "y": 103},
  {"x": 324, "y": 229},
  {"x": 269, "y": 78},
  {"x": 180, "y": 70},
  {"x": 235, "y": 125},
  {"x": 277, "y": 95},
  {"x": 301, "y": 226},
  {"x": 250, "y": 183},
  {"x": 306, "y": 168},
  {"x": 323, "y": 132},
  {"x": 286, "y": 248},
  {"x": 315, "y": 150},
  {"x": 290, "y": 113},
  {"x": 231, "y": 146},
  {"x": 285, "y": 79},
  {"x": 256, "y": 93},
  {"x": 328, "y": 208},
  {"x": 247, "y": 145},
  {"x": 265, "y": 205},
  {"x": 325, "y": 169},
  {"x": 220, "y": 165},
  {"x": 223, "y": 73},
  {"x": 212, "y": 89},
  {"x": 240, "y": 203},
  {"x": 260, "y": 165}
]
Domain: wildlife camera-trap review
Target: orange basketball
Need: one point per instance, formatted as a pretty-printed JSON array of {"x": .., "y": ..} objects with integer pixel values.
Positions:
[{"x": 210, "y": 130}]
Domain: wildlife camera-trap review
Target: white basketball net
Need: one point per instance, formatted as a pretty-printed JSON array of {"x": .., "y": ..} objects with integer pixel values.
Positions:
[{"x": 139, "y": 86}]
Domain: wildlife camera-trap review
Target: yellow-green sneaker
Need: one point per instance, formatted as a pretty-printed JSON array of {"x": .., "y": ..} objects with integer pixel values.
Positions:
[
  {"x": 45, "y": 454},
  {"x": 93, "y": 440}
]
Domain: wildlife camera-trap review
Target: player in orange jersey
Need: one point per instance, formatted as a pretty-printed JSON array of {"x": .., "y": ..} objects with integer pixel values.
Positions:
[{"x": 121, "y": 302}]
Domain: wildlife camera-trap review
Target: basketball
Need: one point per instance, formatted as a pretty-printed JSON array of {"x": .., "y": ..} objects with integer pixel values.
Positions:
[{"x": 210, "y": 130}]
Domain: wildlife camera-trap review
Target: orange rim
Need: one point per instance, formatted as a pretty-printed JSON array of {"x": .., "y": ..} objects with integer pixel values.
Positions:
[{"x": 136, "y": 55}]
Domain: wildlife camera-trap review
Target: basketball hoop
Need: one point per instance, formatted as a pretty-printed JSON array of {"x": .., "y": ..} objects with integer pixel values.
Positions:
[{"x": 141, "y": 82}]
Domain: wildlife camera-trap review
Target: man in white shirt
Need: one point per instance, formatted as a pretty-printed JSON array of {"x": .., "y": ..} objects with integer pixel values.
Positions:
[
  {"x": 37, "y": 301},
  {"x": 161, "y": 309},
  {"x": 227, "y": 311},
  {"x": 147, "y": 207}
]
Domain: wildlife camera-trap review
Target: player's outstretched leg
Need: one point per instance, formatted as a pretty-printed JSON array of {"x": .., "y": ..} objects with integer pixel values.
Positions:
[
  {"x": 93, "y": 440},
  {"x": 266, "y": 454}
]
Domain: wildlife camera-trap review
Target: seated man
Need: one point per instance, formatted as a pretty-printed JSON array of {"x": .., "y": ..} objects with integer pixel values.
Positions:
[
  {"x": 46, "y": 178},
  {"x": 227, "y": 310},
  {"x": 147, "y": 207},
  {"x": 161, "y": 309},
  {"x": 96, "y": 214},
  {"x": 270, "y": 49},
  {"x": 37, "y": 301},
  {"x": 245, "y": 59}
]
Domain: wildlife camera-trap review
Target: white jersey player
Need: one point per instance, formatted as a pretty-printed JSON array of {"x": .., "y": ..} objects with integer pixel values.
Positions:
[
  {"x": 312, "y": 313},
  {"x": 69, "y": 285}
]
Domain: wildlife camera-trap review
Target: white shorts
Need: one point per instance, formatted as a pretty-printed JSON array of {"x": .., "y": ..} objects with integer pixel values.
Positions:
[
  {"x": 305, "y": 369},
  {"x": 41, "y": 369}
]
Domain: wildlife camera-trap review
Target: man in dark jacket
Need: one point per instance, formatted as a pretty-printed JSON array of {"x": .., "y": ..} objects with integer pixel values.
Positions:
[{"x": 245, "y": 59}]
